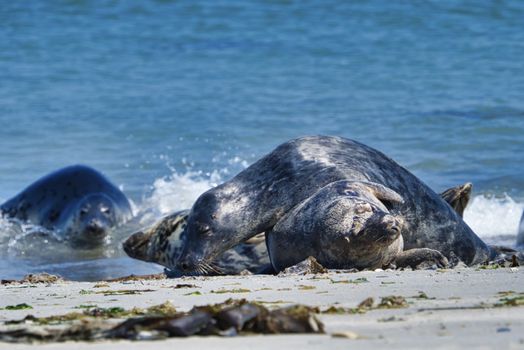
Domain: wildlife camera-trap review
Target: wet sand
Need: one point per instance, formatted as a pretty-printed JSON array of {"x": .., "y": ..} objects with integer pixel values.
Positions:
[{"x": 446, "y": 309}]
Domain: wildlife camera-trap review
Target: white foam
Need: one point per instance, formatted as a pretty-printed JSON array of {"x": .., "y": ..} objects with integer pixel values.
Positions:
[
  {"x": 178, "y": 191},
  {"x": 490, "y": 216}
]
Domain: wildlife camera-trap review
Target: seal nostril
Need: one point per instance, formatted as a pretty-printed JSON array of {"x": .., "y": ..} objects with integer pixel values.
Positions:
[{"x": 394, "y": 229}]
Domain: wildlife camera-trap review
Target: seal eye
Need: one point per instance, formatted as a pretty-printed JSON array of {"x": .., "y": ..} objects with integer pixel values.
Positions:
[
  {"x": 105, "y": 210},
  {"x": 84, "y": 211}
]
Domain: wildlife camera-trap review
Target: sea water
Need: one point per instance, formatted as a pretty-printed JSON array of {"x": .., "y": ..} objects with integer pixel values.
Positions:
[{"x": 169, "y": 98}]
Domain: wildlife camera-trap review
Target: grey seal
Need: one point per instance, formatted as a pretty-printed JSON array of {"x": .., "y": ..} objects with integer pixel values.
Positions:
[
  {"x": 345, "y": 225},
  {"x": 257, "y": 198},
  {"x": 161, "y": 243},
  {"x": 77, "y": 202}
]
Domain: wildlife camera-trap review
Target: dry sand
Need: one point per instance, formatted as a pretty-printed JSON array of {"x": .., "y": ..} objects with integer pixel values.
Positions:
[{"x": 462, "y": 309}]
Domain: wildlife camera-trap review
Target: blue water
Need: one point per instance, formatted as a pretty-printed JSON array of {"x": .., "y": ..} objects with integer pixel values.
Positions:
[{"x": 168, "y": 98}]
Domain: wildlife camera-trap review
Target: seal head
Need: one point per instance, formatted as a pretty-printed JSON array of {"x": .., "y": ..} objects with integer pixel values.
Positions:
[
  {"x": 208, "y": 223},
  {"x": 76, "y": 202},
  {"x": 91, "y": 220}
]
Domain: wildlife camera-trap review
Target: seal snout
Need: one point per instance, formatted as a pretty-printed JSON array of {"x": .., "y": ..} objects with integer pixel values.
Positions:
[
  {"x": 95, "y": 228},
  {"x": 187, "y": 265}
]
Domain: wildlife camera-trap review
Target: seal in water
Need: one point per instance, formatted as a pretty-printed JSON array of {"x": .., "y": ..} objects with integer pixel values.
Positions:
[
  {"x": 260, "y": 196},
  {"x": 77, "y": 202},
  {"x": 162, "y": 244}
]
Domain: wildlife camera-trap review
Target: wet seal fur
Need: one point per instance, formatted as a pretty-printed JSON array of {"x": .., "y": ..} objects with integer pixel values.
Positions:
[
  {"x": 77, "y": 202},
  {"x": 259, "y": 197},
  {"x": 162, "y": 244}
]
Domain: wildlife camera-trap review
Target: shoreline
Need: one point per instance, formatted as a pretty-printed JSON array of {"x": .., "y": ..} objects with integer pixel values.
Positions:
[{"x": 446, "y": 308}]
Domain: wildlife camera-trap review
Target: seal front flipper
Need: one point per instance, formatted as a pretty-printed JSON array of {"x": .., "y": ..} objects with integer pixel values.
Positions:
[
  {"x": 421, "y": 258},
  {"x": 458, "y": 197}
]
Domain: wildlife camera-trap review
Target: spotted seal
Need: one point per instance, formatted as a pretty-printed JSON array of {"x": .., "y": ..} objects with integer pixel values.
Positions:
[
  {"x": 77, "y": 202},
  {"x": 162, "y": 243},
  {"x": 257, "y": 198}
]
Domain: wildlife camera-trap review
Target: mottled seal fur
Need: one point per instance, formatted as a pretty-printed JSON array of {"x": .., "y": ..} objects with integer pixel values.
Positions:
[
  {"x": 77, "y": 202},
  {"x": 260, "y": 196},
  {"x": 162, "y": 244}
]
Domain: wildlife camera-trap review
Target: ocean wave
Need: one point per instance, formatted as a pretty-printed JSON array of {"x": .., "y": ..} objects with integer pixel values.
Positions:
[
  {"x": 177, "y": 191},
  {"x": 490, "y": 216}
]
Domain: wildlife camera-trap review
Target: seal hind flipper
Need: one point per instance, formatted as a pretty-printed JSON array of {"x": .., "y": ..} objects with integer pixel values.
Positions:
[{"x": 458, "y": 197}]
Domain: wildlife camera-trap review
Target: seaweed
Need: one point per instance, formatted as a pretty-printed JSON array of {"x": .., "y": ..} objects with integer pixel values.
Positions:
[
  {"x": 194, "y": 293},
  {"x": 22, "y": 306},
  {"x": 422, "y": 295},
  {"x": 117, "y": 291},
  {"x": 35, "y": 278},
  {"x": 157, "y": 276},
  {"x": 305, "y": 287},
  {"x": 308, "y": 266},
  {"x": 184, "y": 285},
  {"x": 224, "y": 291},
  {"x": 514, "y": 300},
  {"x": 233, "y": 317},
  {"x": 355, "y": 281},
  {"x": 389, "y": 302},
  {"x": 392, "y": 302},
  {"x": 364, "y": 306}
]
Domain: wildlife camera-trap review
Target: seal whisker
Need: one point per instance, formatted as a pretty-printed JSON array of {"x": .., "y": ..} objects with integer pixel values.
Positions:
[
  {"x": 205, "y": 267},
  {"x": 215, "y": 268},
  {"x": 201, "y": 270}
]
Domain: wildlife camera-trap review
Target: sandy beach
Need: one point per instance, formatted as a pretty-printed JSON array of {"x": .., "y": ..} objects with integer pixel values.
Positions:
[{"x": 446, "y": 309}]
